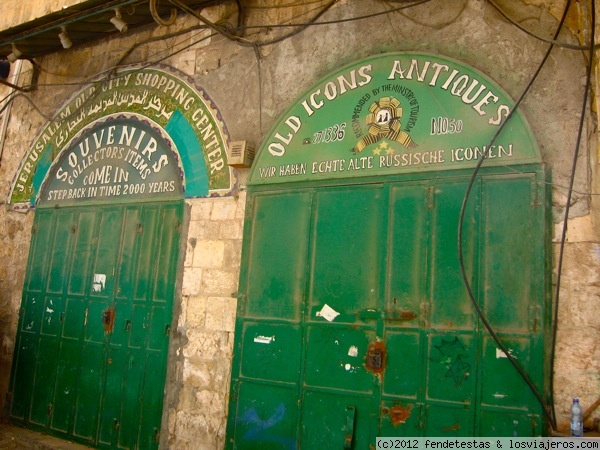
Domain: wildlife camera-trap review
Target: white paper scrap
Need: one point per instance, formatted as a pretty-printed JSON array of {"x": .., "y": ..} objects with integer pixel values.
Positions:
[
  {"x": 501, "y": 354},
  {"x": 328, "y": 313},
  {"x": 264, "y": 339}
]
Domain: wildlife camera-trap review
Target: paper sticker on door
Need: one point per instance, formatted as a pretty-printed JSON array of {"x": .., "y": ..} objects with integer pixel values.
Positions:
[{"x": 99, "y": 283}]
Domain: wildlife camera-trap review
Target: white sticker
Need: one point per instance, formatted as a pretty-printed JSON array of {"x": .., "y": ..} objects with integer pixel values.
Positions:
[
  {"x": 328, "y": 313},
  {"x": 353, "y": 351},
  {"x": 264, "y": 339},
  {"x": 501, "y": 354},
  {"x": 99, "y": 283}
]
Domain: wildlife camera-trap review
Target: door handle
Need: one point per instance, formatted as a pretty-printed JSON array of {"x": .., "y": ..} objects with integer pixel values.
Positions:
[{"x": 350, "y": 419}]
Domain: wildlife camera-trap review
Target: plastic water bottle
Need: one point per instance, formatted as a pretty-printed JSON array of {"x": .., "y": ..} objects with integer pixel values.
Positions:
[{"x": 576, "y": 418}]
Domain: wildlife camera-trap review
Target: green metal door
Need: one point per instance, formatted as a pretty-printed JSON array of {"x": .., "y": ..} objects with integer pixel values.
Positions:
[
  {"x": 340, "y": 325},
  {"x": 429, "y": 324},
  {"x": 90, "y": 359},
  {"x": 354, "y": 321}
]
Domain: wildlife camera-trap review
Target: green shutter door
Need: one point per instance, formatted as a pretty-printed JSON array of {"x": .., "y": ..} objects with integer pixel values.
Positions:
[
  {"x": 269, "y": 339},
  {"x": 514, "y": 293},
  {"x": 430, "y": 325},
  {"x": 91, "y": 350},
  {"x": 340, "y": 390},
  {"x": 356, "y": 322}
]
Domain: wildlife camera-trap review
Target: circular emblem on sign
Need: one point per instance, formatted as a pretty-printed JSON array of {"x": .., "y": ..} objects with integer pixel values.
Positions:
[{"x": 383, "y": 122}]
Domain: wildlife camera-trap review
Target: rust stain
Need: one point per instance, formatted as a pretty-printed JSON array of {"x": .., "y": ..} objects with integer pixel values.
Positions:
[
  {"x": 403, "y": 315},
  {"x": 454, "y": 427},
  {"x": 399, "y": 414},
  {"x": 407, "y": 315},
  {"x": 108, "y": 320}
]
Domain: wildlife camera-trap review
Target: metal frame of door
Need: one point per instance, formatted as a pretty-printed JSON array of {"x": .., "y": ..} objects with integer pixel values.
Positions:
[
  {"x": 353, "y": 320},
  {"x": 92, "y": 340}
]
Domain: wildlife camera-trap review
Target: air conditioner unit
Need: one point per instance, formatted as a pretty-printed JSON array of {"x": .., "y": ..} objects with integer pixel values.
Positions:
[{"x": 241, "y": 154}]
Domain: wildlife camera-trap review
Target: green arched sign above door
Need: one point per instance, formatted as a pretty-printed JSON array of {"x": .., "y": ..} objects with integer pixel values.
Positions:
[
  {"x": 167, "y": 99},
  {"x": 394, "y": 113}
]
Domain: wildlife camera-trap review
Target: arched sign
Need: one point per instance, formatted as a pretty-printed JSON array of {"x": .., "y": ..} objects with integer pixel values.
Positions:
[
  {"x": 177, "y": 109},
  {"x": 119, "y": 157},
  {"x": 394, "y": 113}
]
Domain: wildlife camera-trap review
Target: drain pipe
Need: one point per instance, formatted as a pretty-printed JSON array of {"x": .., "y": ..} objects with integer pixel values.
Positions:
[{"x": 14, "y": 79}]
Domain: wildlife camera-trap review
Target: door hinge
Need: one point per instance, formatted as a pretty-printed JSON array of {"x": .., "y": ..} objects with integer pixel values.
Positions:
[
  {"x": 430, "y": 197},
  {"x": 241, "y": 305},
  {"x": 534, "y": 322},
  {"x": 350, "y": 421},
  {"x": 537, "y": 189}
]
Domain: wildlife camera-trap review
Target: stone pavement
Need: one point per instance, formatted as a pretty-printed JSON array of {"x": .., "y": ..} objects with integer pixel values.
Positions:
[{"x": 16, "y": 438}]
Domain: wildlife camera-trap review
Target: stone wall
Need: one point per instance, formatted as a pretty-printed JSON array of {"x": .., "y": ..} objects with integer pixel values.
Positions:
[
  {"x": 252, "y": 87},
  {"x": 202, "y": 349}
]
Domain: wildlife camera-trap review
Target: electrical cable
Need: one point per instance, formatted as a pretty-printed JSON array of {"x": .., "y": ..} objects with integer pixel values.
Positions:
[
  {"x": 27, "y": 88},
  {"x": 243, "y": 41},
  {"x": 350, "y": 19},
  {"x": 572, "y": 179},
  {"x": 287, "y": 5},
  {"x": 105, "y": 75},
  {"x": 304, "y": 24},
  {"x": 536, "y": 36},
  {"x": 547, "y": 409},
  {"x": 438, "y": 26},
  {"x": 259, "y": 68},
  {"x": 94, "y": 79},
  {"x": 160, "y": 38}
]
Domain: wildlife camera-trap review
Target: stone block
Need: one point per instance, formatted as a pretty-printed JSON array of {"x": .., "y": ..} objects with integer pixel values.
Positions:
[
  {"x": 209, "y": 254},
  {"x": 196, "y": 312},
  {"x": 231, "y": 229},
  {"x": 219, "y": 282},
  {"x": 206, "y": 345},
  {"x": 201, "y": 209},
  {"x": 197, "y": 229},
  {"x": 192, "y": 280},
  {"x": 224, "y": 209},
  {"x": 220, "y": 313},
  {"x": 233, "y": 254}
]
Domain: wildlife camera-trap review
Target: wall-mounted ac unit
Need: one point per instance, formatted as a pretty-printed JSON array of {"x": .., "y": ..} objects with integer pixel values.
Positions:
[{"x": 241, "y": 154}]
